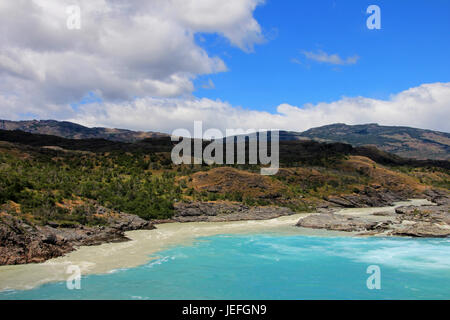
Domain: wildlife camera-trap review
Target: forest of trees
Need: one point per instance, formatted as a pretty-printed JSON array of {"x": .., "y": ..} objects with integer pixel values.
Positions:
[
  {"x": 148, "y": 184},
  {"x": 119, "y": 181}
]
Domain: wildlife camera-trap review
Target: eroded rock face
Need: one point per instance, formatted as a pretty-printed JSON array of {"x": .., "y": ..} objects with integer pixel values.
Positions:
[
  {"x": 414, "y": 221},
  {"x": 425, "y": 221},
  {"x": 423, "y": 229},
  {"x": 21, "y": 242},
  {"x": 371, "y": 196},
  {"x": 439, "y": 197},
  {"x": 225, "y": 211},
  {"x": 195, "y": 209},
  {"x": 337, "y": 222},
  {"x": 129, "y": 222}
]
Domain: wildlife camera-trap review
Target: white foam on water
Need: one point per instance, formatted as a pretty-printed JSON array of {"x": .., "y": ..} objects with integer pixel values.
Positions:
[
  {"x": 410, "y": 255},
  {"x": 159, "y": 261},
  {"x": 116, "y": 270}
]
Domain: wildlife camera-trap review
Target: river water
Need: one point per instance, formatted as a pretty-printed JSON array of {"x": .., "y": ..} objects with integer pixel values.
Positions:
[{"x": 269, "y": 259}]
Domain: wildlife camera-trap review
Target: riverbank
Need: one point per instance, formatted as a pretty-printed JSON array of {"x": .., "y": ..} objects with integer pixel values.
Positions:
[
  {"x": 23, "y": 242},
  {"x": 270, "y": 266},
  {"x": 424, "y": 218},
  {"x": 108, "y": 257}
]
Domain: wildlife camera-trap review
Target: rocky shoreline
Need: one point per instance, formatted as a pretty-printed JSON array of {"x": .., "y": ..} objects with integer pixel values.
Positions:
[
  {"x": 216, "y": 211},
  {"x": 413, "y": 221},
  {"x": 225, "y": 211},
  {"x": 22, "y": 242}
]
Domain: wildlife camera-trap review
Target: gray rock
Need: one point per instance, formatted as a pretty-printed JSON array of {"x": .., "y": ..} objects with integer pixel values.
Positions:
[
  {"x": 415, "y": 221},
  {"x": 21, "y": 242},
  {"x": 331, "y": 221},
  {"x": 423, "y": 229},
  {"x": 225, "y": 211}
]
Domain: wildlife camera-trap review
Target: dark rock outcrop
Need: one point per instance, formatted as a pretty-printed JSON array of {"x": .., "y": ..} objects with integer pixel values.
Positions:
[
  {"x": 370, "y": 196},
  {"x": 22, "y": 242},
  {"x": 414, "y": 221},
  {"x": 423, "y": 229},
  {"x": 225, "y": 211},
  {"x": 425, "y": 221},
  {"x": 337, "y": 222}
]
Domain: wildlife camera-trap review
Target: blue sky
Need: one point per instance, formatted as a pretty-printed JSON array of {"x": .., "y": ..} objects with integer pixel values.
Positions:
[
  {"x": 411, "y": 48},
  {"x": 162, "y": 65}
]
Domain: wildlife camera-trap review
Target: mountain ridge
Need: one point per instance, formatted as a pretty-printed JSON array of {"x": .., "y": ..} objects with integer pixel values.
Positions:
[
  {"x": 71, "y": 130},
  {"x": 403, "y": 141}
]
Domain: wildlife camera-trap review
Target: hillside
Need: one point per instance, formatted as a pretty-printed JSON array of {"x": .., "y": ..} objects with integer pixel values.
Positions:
[
  {"x": 40, "y": 171},
  {"x": 403, "y": 141},
  {"x": 57, "y": 194},
  {"x": 72, "y": 130},
  {"x": 40, "y": 184},
  {"x": 291, "y": 153}
]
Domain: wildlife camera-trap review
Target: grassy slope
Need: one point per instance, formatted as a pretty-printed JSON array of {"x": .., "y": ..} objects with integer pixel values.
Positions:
[{"x": 48, "y": 184}]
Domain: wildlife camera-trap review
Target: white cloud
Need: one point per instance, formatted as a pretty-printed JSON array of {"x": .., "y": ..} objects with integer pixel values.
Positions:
[
  {"x": 141, "y": 58},
  {"x": 426, "y": 106},
  {"x": 124, "y": 48},
  {"x": 323, "y": 57}
]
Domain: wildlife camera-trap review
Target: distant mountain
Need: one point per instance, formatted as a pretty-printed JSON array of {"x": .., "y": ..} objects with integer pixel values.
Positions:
[
  {"x": 72, "y": 130},
  {"x": 291, "y": 152},
  {"x": 403, "y": 141}
]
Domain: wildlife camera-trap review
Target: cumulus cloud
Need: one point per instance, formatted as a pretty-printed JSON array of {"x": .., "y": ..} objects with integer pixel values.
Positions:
[
  {"x": 124, "y": 49},
  {"x": 335, "y": 59},
  {"x": 140, "y": 58},
  {"x": 426, "y": 106}
]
